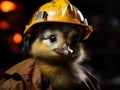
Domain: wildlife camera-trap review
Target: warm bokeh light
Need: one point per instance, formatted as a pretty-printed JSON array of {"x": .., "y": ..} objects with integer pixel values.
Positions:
[
  {"x": 7, "y": 6},
  {"x": 4, "y": 25},
  {"x": 17, "y": 38}
]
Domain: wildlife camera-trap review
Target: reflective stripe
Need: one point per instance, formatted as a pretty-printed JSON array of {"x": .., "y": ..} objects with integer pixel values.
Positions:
[{"x": 41, "y": 15}]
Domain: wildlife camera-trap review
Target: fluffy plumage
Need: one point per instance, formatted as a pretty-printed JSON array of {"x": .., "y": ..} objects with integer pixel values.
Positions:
[{"x": 58, "y": 51}]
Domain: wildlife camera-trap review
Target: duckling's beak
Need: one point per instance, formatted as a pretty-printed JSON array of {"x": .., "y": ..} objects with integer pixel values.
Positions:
[{"x": 64, "y": 50}]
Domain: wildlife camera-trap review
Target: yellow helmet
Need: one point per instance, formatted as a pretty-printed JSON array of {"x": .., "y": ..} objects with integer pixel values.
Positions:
[{"x": 58, "y": 11}]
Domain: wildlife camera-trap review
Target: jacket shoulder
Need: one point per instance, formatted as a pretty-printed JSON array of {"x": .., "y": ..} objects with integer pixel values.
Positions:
[
  {"x": 23, "y": 67},
  {"x": 18, "y": 76}
]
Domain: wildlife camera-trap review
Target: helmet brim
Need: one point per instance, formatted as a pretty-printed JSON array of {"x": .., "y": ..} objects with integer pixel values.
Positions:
[{"x": 32, "y": 27}]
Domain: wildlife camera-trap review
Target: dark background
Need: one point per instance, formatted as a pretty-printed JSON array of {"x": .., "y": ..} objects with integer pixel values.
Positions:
[{"x": 103, "y": 44}]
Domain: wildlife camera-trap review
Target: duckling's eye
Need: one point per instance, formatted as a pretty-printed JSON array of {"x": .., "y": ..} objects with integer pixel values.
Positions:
[{"x": 52, "y": 38}]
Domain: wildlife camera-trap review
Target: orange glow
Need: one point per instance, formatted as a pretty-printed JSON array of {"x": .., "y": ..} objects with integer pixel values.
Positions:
[
  {"x": 17, "y": 38},
  {"x": 4, "y": 25},
  {"x": 7, "y": 6}
]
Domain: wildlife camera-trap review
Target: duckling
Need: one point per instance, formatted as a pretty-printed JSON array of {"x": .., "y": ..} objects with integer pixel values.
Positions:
[{"x": 59, "y": 51}]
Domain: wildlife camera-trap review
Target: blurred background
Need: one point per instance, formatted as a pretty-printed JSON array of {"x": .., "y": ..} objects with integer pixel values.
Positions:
[{"x": 103, "y": 44}]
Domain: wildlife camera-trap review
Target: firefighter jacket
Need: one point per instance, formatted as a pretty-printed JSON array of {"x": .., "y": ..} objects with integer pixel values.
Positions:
[{"x": 26, "y": 76}]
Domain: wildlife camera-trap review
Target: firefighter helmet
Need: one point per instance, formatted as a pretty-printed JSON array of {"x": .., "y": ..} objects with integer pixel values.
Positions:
[{"x": 58, "y": 11}]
